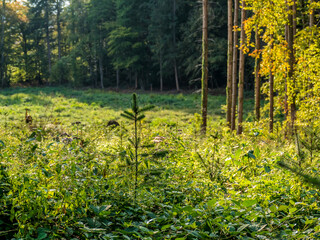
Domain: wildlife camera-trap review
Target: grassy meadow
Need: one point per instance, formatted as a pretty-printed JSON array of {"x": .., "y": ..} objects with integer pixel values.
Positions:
[{"x": 68, "y": 175}]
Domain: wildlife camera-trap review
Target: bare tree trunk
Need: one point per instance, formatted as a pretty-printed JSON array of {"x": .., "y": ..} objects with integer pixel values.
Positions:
[
  {"x": 257, "y": 75},
  {"x": 311, "y": 16},
  {"x": 118, "y": 79},
  {"x": 25, "y": 56},
  {"x": 291, "y": 31},
  {"x": 204, "y": 79},
  {"x": 294, "y": 17},
  {"x": 101, "y": 71},
  {"x": 174, "y": 47},
  {"x": 161, "y": 74},
  {"x": 241, "y": 71},
  {"x": 2, "y": 42},
  {"x": 286, "y": 108},
  {"x": 229, "y": 71},
  {"x": 234, "y": 66},
  {"x": 59, "y": 28},
  {"x": 48, "y": 36},
  {"x": 136, "y": 80},
  {"x": 271, "y": 96}
]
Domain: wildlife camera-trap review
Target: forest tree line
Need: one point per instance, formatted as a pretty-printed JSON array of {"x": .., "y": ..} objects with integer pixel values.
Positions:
[
  {"x": 111, "y": 43},
  {"x": 284, "y": 39}
]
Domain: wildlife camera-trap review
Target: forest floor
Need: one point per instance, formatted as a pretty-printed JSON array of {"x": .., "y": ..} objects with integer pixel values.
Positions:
[{"x": 68, "y": 175}]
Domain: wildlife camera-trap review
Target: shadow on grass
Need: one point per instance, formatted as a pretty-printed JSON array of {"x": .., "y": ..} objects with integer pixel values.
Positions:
[{"x": 189, "y": 103}]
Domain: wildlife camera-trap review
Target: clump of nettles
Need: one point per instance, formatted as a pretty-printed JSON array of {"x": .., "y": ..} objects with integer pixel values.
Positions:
[{"x": 135, "y": 115}]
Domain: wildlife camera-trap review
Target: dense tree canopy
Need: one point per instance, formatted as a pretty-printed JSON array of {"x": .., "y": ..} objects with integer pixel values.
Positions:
[{"x": 111, "y": 43}]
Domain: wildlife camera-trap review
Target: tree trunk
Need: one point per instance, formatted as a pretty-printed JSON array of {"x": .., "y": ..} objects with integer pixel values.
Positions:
[
  {"x": 48, "y": 36},
  {"x": 229, "y": 70},
  {"x": 59, "y": 28},
  {"x": 174, "y": 47},
  {"x": 25, "y": 56},
  {"x": 118, "y": 79},
  {"x": 136, "y": 80},
  {"x": 234, "y": 66},
  {"x": 161, "y": 74},
  {"x": 257, "y": 75},
  {"x": 291, "y": 31},
  {"x": 271, "y": 96},
  {"x": 241, "y": 71},
  {"x": 311, "y": 16},
  {"x": 204, "y": 79},
  {"x": 101, "y": 71},
  {"x": 2, "y": 43}
]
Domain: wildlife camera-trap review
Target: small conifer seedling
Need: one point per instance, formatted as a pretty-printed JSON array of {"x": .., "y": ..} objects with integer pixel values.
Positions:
[{"x": 135, "y": 115}]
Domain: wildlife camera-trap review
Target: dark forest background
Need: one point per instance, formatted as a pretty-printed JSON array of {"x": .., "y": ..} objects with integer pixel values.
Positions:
[{"x": 143, "y": 44}]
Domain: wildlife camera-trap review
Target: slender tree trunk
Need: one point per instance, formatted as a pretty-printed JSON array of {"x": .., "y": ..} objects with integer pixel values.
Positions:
[
  {"x": 59, "y": 28},
  {"x": 101, "y": 71},
  {"x": 48, "y": 36},
  {"x": 257, "y": 75},
  {"x": 271, "y": 96},
  {"x": 271, "y": 93},
  {"x": 106, "y": 72},
  {"x": 294, "y": 17},
  {"x": 291, "y": 31},
  {"x": 286, "y": 108},
  {"x": 311, "y": 16},
  {"x": 241, "y": 71},
  {"x": 118, "y": 79},
  {"x": 2, "y": 43},
  {"x": 136, "y": 80},
  {"x": 234, "y": 66},
  {"x": 174, "y": 47},
  {"x": 25, "y": 56},
  {"x": 161, "y": 73},
  {"x": 204, "y": 79},
  {"x": 229, "y": 70}
]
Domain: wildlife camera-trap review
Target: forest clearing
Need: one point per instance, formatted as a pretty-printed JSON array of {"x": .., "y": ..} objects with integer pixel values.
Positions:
[
  {"x": 68, "y": 175},
  {"x": 159, "y": 119}
]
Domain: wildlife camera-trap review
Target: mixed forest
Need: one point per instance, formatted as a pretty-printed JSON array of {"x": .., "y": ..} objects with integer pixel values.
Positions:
[
  {"x": 108, "y": 43},
  {"x": 221, "y": 139}
]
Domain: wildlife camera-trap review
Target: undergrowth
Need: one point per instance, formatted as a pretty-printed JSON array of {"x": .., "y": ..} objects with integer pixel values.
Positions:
[{"x": 71, "y": 175}]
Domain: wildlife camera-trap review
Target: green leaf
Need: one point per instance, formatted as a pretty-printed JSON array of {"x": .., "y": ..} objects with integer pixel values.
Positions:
[
  {"x": 42, "y": 235},
  {"x": 165, "y": 227},
  {"x": 240, "y": 229},
  {"x": 251, "y": 154},
  {"x": 267, "y": 169},
  {"x": 249, "y": 203}
]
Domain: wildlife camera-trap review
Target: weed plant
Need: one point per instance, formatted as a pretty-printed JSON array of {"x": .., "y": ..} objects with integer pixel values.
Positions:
[{"x": 61, "y": 180}]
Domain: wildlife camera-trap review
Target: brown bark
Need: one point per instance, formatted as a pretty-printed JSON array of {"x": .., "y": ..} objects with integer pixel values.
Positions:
[
  {"x": 136, "y": 80},
  {"x": 101, "y": 71},
  {"x": 241, "y": 71},
  {"x": 271, "y": 97},
  {"x": 234, "y": 66},
  {"x": 291, "y": 32},
  {"x": 118, "y": 79},
  {"x": 161, "y": 74},
  {"x": 257, "y": 76},
  {"x": 2, "y": 68},
  {"x": 229, "y": 70},
  {"x": 48, "y": 36},
  {"x": 174, "y": 47},
  {"x": 59, "y": 28},
  {"x": 204, "y": 79},
  {"x": 311, "y": 16}
]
